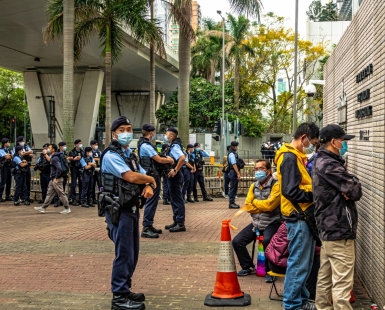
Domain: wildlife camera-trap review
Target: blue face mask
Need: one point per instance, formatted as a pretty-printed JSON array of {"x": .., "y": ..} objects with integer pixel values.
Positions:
[
  {"x": 260, "y": 175},
  {"x": 152, "y": 138},
  {"x": 344, "y": 148},
  {"x": 166, "y": 139},
  {"x": 309, "y": 149},
  {"x": 197, "y": 149},
  {"x": 125, "y": 138}
]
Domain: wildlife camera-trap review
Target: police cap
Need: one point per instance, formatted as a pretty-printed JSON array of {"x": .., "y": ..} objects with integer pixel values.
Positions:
[
  {"x": 196, "y": 144},
  {"x": 190, "y": 146},
  {"x": 234, "y": 143},
  {"x": 4, "y": 140},
  {"x": 45, "y": 145},
  {"x": 20, "y": 139},
  {"x": 88, "y": 149},
  {"x": 94, "y": 142},
  {"x": 62, "y": 143},
  {"x": 148, "y": 127},
  {"x": 18, "y": 148},
  {"x": 121, "y": 120},
  {"x": 77, "y": 141},
  {"x": 173, "y": 129}
]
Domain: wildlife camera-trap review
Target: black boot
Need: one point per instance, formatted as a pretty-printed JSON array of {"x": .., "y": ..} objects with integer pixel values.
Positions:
[
  {"x": 57, "y": 203},
  {"x": 207, "y": 198},
  {"x": 148, "y": 233},
  {"x": 136, "y": 297},
  {"x": 190, "y": 200},
  {"x": 155, "y": 230},
  {"x": 90, "y": 203},
  {"x": 122, "y": 302},
  {"x": 84, "y": 204},
  {"x": 170, "y": 226},
  {"x": 196, "y": 199},
  {"x": 233, "y": 205},
  {"x": 166, "y": 202},
  {"x": 26, "y": 202},
  {"x": 179, "y": 227}
]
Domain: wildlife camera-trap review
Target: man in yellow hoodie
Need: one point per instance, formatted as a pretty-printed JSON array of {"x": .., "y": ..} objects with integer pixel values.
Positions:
[{"x": 296, "y": 187}]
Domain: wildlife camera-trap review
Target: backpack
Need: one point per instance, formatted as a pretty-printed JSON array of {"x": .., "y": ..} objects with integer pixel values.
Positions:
[{"x": 64, "y": 168}]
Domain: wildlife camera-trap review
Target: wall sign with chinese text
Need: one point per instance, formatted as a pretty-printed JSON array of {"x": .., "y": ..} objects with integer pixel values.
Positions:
[
  {"x": 367, "y": 111},
  {"x": 364, "y": 135}
]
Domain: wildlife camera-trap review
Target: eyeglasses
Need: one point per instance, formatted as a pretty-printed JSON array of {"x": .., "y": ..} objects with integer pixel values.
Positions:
[{"x": 260, "y": 169}]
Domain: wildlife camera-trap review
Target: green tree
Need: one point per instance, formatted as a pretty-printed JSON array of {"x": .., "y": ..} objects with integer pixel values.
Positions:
[
  {"x": 107, "y": 19},
  {"x": 322, "y": 13}
]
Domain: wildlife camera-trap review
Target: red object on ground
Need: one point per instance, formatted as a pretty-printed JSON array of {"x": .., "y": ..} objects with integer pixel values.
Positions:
[
  {"x": 226, "y": 283},
  {"x": 352, "y": 298}
]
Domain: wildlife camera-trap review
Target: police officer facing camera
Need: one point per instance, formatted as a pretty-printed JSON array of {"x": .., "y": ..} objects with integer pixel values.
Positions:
[
  {"x": 198, "y": 155},
  {"x": 74, "y": 156},
  {"x": 96, "y": 156},
  {"x": 27, "y": 155},
  {"x": 175, "y": 180},
  {"x": 234, "y": 174},
  {"x": 149, "y": 159},
  {"x": 129, "y": 181},
  {"x": 5, "y": 167},
  {"x": 188, "y": 173},
  {"x": 44, "y": 168}
]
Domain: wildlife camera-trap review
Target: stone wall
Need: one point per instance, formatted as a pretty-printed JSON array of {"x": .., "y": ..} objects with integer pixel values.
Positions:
[{"x": 363, "y": 44}]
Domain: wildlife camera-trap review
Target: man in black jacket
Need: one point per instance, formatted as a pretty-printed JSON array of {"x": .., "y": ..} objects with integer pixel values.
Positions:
[{"x": 335, "y": 192}]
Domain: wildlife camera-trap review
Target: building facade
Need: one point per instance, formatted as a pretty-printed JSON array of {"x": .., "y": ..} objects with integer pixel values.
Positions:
[{"x": 354, "y": 97}]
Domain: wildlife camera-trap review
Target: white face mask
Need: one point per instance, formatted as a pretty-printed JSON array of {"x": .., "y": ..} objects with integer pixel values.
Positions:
[
  {"x": 89, "y": 154},
  {"x": 64, "y": 148},
  {"x": 95, "y": 147},
  {"x": 21, "y": 143}
]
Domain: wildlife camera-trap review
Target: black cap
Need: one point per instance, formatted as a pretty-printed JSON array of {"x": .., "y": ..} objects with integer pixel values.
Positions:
[
  {"x": 234, "y": 143},
  {"x": 45, "y": 145},
  {"x": 94, "y": 142},
  {"x": 20, "y": 139},
  {"x": 18, "y": 148},
  {"x": 165, "y": 146},
  {"x": 173, "y": 129},
  {"x": 190, "y": 146},
  {"x": 148, "y": 127},
  {"x": 88, "y": 149},
  {"x": 333, "y": 131},
  {"x": 77, "y": 141},
  {"x": 4, "y": 140},
  {"x": 62, "y": 143},
  {"x": 121, "y": 120},
  {"x": 196, "y": 144}
]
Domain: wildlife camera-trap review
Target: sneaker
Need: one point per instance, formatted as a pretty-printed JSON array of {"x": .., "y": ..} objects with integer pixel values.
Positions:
[
  {"x": 40, "y": 209},
  {"x": 65, "y": 211},
  {"x": 246, "y": 272},
  {"x": 227, "y": 196},
  {"x": 309, "y": 306},
  {"x": 268, "y": 278}
]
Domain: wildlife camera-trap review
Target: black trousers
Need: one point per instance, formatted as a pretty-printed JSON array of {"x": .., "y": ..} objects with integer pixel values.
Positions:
[
  {"x": 28, "y": 182},
  {"x": 96, "y": 181},
  {"x": 76, "y": 176},
  {"x": 44, "y": 181},
  {"x": 166, "y": 194},
  {"x": 199, "y": 178},
  {"x": 6, "y": 181},
  {"x": 246, "y": 236}
]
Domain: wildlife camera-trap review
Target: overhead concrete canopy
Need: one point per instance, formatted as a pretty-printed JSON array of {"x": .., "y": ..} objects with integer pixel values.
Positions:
[{"x": 22, "y": 48}]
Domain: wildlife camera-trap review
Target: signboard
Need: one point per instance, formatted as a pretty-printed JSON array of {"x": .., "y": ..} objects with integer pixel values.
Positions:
[
  {"x": 192, "y": 138},
  {"x": 208, "y": 139}
]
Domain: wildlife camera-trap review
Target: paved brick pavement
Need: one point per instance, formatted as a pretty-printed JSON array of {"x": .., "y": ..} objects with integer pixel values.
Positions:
[{"x": 54, "y": 261}]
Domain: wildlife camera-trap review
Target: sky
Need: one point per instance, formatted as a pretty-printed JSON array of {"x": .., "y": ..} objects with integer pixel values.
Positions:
[{"x": 284, "y": 8}]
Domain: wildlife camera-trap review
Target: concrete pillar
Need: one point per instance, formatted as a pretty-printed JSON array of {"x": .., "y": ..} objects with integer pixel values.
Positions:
[{"x": 88, "y": 107}]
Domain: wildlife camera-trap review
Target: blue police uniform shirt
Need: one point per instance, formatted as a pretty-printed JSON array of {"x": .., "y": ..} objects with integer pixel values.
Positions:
[
  {"x": 204, "y": 154},
  {"x": 17, "y": 160},
  {"x": 3, "y": 152},
  {"x": 176, "y": 152},
  {"x": 232, "y": 159},
  {"x": 83, "y": 162},
  {"x": 147, "y": 151},
  {"x": 114, "y": 163}
]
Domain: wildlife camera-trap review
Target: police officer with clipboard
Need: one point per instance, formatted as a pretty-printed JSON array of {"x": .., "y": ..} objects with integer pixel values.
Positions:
[{"x": 124, "y": 187}]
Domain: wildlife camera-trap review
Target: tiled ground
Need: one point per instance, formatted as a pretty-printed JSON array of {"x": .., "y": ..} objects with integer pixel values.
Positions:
[{"x": 54, "y": 261}]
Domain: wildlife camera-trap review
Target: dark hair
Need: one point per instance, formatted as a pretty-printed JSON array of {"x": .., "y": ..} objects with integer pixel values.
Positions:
[
  {"x": 228, "y": 147},
  {"x": 267, "y": 163},
  {"x": 54, "y": 146},
  {"x": 309, "y": 129}
]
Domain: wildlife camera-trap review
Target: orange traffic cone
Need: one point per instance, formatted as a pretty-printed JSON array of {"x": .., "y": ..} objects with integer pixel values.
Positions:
[{"x": 227, "y": 291}]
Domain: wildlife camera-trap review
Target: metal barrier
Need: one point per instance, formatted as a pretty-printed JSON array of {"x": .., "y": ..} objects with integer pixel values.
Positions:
[{"x": 213, "y": 179}]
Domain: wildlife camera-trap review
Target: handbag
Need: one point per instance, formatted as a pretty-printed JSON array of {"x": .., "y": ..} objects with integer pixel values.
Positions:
[{"x": 309, "y": 217}]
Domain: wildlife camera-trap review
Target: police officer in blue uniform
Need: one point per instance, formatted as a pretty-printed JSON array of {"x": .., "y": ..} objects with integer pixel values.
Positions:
[
  {"x": 166, "y": 194},
  {"x": 44, "y": 168},
  {"x": 175, "y": 180},
  {"x": 96, "y": 156},
  {"x": 74, "y": 156},
  {"x": 27, "y": 155},
  {"x": 5, "y": 167},
  {"x": 234, "y": 174},
  {"x": 188, "y": 174},
  {"x": 150, "y": 160},
  {"x": 122, "y": 215},
  {"x": 198, "y": 155},
  {"x": 20, "y": 172},
  {"x": 88, "y": 165}
]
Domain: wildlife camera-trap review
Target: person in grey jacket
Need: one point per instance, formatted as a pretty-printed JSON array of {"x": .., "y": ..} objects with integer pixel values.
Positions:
[
  {"x": 262, "y": 202},
  {"x": 55, "y": 186},
  {"x": 335, "y": 192}
]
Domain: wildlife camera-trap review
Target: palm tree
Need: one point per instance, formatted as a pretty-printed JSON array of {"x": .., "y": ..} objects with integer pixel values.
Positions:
[
  {"x": 107, "y": 19},
  {"x": 68, "y": 69}
]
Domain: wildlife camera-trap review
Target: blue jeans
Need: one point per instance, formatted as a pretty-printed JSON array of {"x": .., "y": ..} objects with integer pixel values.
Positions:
[{"x": 299, "y": 264}]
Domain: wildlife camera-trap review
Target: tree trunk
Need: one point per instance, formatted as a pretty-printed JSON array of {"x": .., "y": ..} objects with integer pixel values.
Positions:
[
  {"x": 152, "y": 77},
  {"x": 68, "y": 70},
  {"x": 184, "y": 84},
  {"x": 236, "y": 85},
  {"x": 108, "y": 85},
  {"x": 212, "y": 73}
]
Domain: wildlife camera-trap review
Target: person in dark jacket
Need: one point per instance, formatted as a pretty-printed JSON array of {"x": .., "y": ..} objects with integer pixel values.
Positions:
[
  {"x": 55, "y": 186},
  {"x": 43, "y": 166},
  {"x": 310, "y": 161},
  {"x": 335, "y": 192}
]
